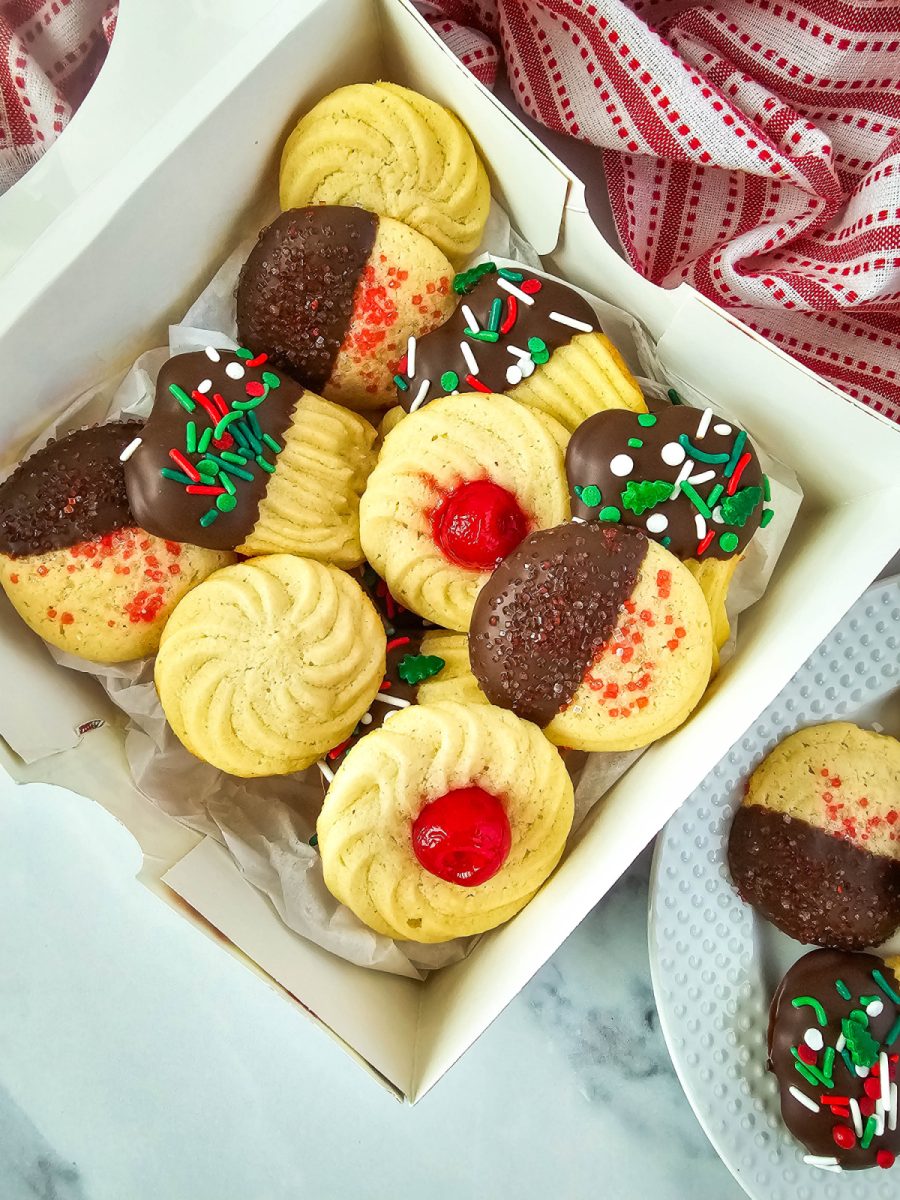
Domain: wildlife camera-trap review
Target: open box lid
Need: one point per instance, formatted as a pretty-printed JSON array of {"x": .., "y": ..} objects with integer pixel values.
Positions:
[{"x": 227, "y": 131}]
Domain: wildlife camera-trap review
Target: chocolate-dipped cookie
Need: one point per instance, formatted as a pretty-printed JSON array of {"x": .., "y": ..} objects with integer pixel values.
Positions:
[
  {"x": 75, "y": 563},
  {"x": 533, "y": 338},
  {"x": 833, "y": 1045},
  {"x": 815, "y": 845},
  {"x": 333, "y": 294},
  {"x": 237, "y": 456},
  {"x": 595, "y": 633}
]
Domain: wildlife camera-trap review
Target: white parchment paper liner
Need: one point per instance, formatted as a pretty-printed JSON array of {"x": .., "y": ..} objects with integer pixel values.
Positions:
[{"x": 266, "y": 823}]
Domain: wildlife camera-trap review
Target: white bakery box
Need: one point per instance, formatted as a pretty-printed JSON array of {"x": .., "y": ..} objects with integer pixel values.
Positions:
[{"x": 102, "y": 283}]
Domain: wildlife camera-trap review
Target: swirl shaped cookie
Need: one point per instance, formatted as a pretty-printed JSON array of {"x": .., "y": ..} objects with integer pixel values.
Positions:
[
  {"x": 269, "y": 663},
  {"x": 237, "y": 456},
  {"x": 456, "y": 487},
  {"x": 596, "y": 634},
  {"x": 445, "y": 821},
  {"x": 392, "y": 151}
]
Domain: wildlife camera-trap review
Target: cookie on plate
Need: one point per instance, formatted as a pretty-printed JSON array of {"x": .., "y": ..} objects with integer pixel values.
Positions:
[
  {"x": 833, "y": 1042},
  {"x": 445, "y": 822},
  {"x": 270, "y": 663},
  {"x": 394, "y": 152},
  {"x": 74, "y": 562},
  {"x": 528, "y": 336},
  {"x": 457, "y": 486},
  {"x": 596, "y": 634},
  {"x": 333, "y": 295},
  {"x": 815, "y": 844},
  {"x": 684, "y": 477},
  {"x": 236, "y": 456}
]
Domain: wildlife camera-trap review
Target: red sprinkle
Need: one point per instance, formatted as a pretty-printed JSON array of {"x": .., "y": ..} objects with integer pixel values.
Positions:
[
  {"x": 208, "y": 407},
  {"x": 258, "y": 361},
  {"x": 182, "y": 463},
  {"x": 531, "y": 286},
  {"x": 704, "y": 545},
  {"x": 255, "y": 388},
  {"x": 884, "y": 1159},
  {"x": 476, "y": 384},
  {"x": 738, "y": 472},
  {"x": 512, "y": 311},
  {"x": 203, "y": 489},
  {"x": 844, "y": 1137},
  {"x": 807, "y": 1054},
  {"x": 395, "y": 642}
]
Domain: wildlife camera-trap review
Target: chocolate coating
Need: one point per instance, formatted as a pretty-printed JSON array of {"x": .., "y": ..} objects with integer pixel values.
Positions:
[
  {"x": 295, "y": 292},
  {"x": 70, "y": 491},
  {"x": 546, "y": 610},
  {"x": 162, "y": 505},
  {"x": 601, "y": 443},
  {"x": 820, "y": 889},
  {"x": 439, "y": 352},
  {"x": 815, "y": 976},
  {"x": 395, "y": 618}
]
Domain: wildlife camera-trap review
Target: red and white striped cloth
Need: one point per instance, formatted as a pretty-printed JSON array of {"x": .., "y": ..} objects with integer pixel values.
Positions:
[
  {"x": 50, "y": 54},
  {"x": 751, "y": 147}
]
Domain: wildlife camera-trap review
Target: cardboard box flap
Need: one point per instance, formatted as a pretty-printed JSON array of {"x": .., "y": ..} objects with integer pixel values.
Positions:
[{"x": 374, "y": 1013}]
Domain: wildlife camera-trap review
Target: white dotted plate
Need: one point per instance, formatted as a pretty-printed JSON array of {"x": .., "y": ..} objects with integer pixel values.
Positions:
[{"x": 715, "y": 963}]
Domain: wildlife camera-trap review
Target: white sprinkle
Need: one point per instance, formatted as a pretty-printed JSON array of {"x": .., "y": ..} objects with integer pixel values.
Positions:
[
  {"x": 365, "y": 719},
  {"x": 683, "y": 474},
  {"x": 703, "y": 477},
  {"x": 824, "y": 1164},
  {"x": 212, "y": 353},
  {"x": 513, "y": 375},
  {"x": 704, "y": 423},
  {"x": 517, "y": 353},
  {"x": 420, "y": 395},
  {"x": 562, "y": 319},
  {"x": 470, "y": 318},
  {"x": 204, "y": 386},
  {"x": 325, "y": 769},
  {"x": 700, "y": 524},
  {"x": 657, "y": 523},
  {"x": 804, "y": 1100},
  {"x": 580, "y": 520},
  {"x": 842, "y": 1041},
  {"x": 466, "y": 351},
  {"x": 129, "y": 450},
  {"x": 234, "y": 370},
  {"x": 526, "y": 366},
  {"x": 875, "y": 1008},
  {"x": 877, "y": 728},
  {"x": 892, "y": 1112},
  {"x": 862, "y": 1072},
  {"x": 672, "y": 454},
  {"x": 717, "y": 517},
  {"x": 411, "y": 358},
  {"x": 396, "y": 701},
  {"x": 880, "y": 1116},
  {"x": 814, "y": 1039},
  {"x": 722, "y": 428},
  {"x": 885, "y": 1080},
  {"x": 514, "y": 291},
  {"x": 621, "y": 465},
  {"x": 857, "y": 1116}
]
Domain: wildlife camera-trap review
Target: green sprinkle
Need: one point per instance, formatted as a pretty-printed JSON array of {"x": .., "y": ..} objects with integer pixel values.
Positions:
[
  {"x": 536, "y": 343},
  {"x": 848, "y": 1063},
  {"x": 449, "y": 381},
  {"x": 828, "y": 1062},
  {"x": 765, "y": 519},
  {"x": 591, "y": 495},
  {"x": 729, "y": 542},
  {"x": 666, "y": 541},
  {"x": 862, "y": 1046},
  {"x": 178, "y": 476},
  {"x": 860, "y": 1017},
  {"x": 254, "y": 424},
  {"x": 674, "y": 397},
  {"x": 695, "y": 498},
  {"x": 253, "y": 441},
  {"x": 885, "y": 986},
  {"x": 466, "y": 280},
  {"x": 635, "y": 443},
  {"x": 401, "y": 383},
  {"x": 203, "y": 443},
  {"x": 893, "y": 1034},
  {"x": 646, "y": 419},
  {"x": 265, "y": 464},
  {"x": 271, "y": 380},
  {"x": 767, "y": 488},
  {"x": 713, "y": 497},
  {"x": 226, "y": 503},
  {"x": 414, "y": 668},
  {"x": 869, "y": 1132},
  {"x": 700, "y": 455},
  {"x": 739, "y": 508},
  {"x": 481, "y": 335},
  {"x": 610, "y": 513},
  {"x": 539, "y": 357},
  {"x": 252, "y": 402},
  {"x": 842, "y": 989},
  {"x": 190, "y": 437},
  {"x": 641, "y": 494},
  {"x": 231, "y": 457},
  {"x": 493, "y": 322},
  {"x": 209, "y": 517},
  {"x": 272, "y": 444},
  {"x": 243, "y": 352},
  {"x": 231, "y": 470},
  {"x": 239, "y": 437},
  {"x": 804, "y": 1070},
  {"x": 804, "y": 1001},
  {"x": 182, "y": 397},
  {"x": 226, "y": 483},
  {"x": 314, "y": 840},
  {"x": 510, "y": 276},
  {"x": 206, "y": 466},
  {"x": 736, "y": 451},
  {"x": 227, "y": 420}
]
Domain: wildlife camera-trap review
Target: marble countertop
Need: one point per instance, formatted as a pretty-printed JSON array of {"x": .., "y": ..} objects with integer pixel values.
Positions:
[{"x": 139, "y": 1062}]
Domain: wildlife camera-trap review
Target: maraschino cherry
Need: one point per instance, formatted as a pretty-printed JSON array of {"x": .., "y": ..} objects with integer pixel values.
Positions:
[
  {"x": 478, "y": 524},
  {"x": 463, "y": 836}
]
